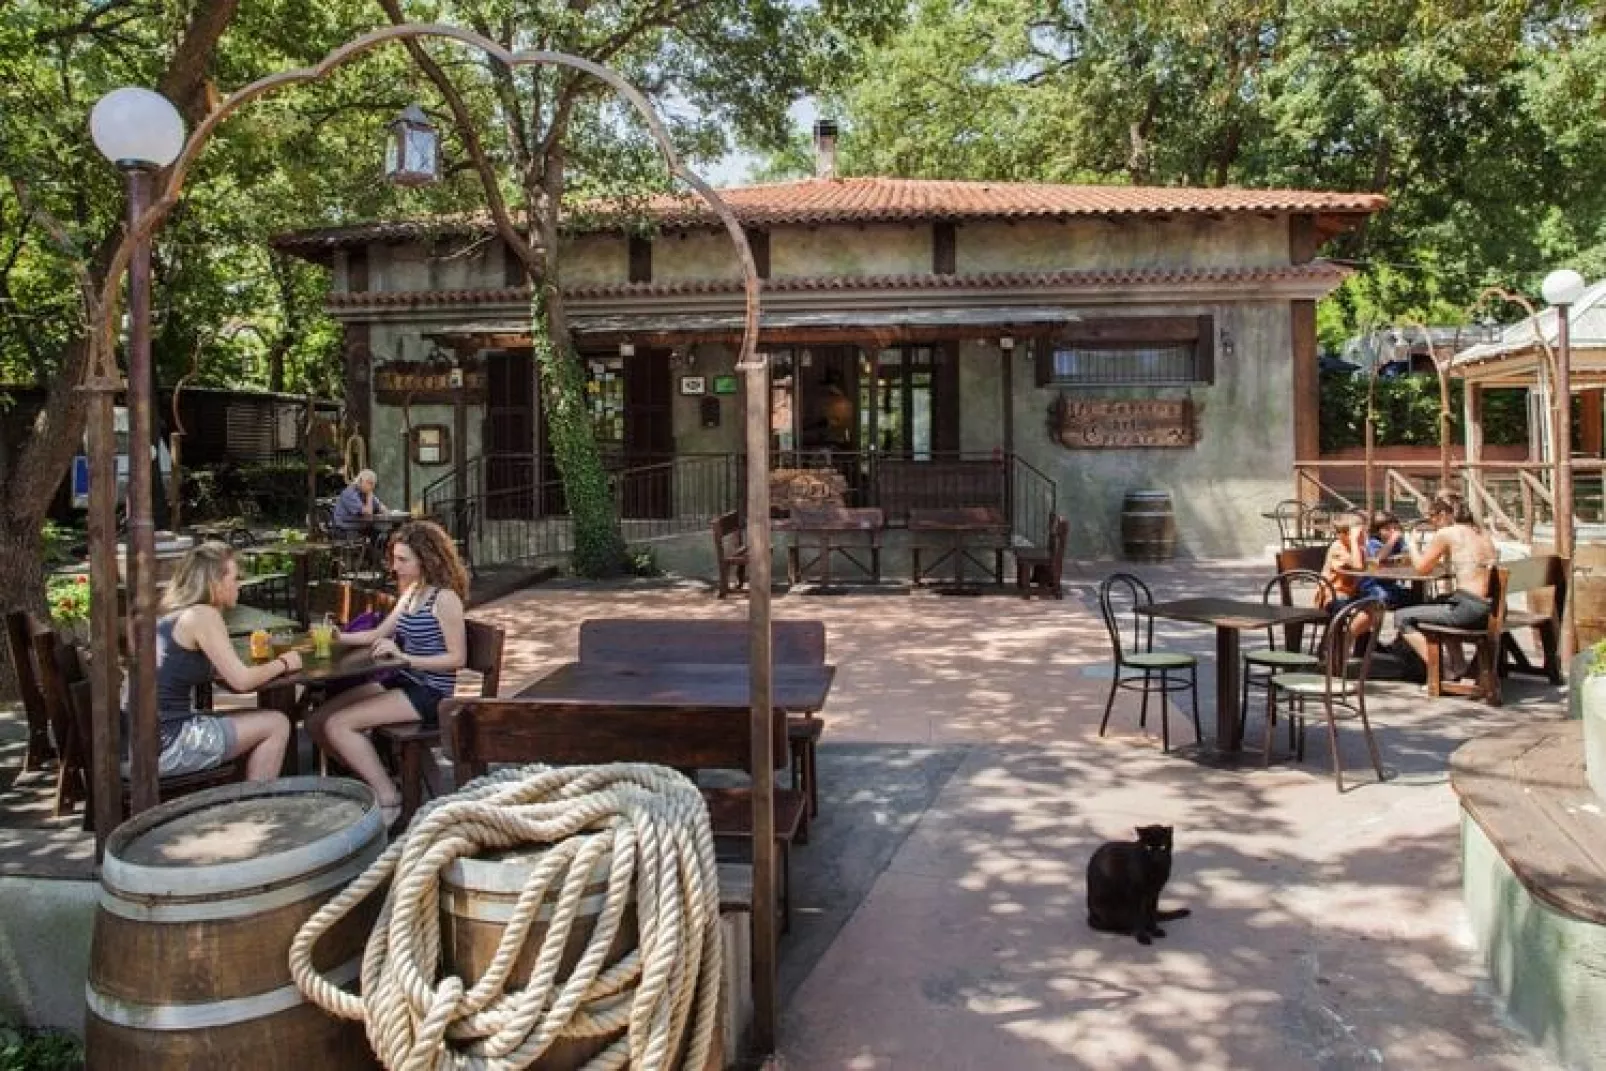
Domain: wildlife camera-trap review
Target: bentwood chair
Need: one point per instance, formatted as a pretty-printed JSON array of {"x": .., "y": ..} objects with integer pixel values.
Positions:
[
  {"x": 1340, "y": 686},
  {"x": 1138, "y": 666},
  {"x": 1298, "y": 650},
  {"x": 1289, "y": 515}
]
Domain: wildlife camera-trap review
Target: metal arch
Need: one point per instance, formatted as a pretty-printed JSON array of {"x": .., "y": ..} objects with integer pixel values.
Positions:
[{"x": 163, "y": 205}]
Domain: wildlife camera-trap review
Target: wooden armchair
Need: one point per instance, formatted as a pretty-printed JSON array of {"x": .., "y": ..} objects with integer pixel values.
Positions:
[
  {"x": 1041, "y": 569},
  {"x": 20, "y": 629},
  {"x": 730, "y": 552}
]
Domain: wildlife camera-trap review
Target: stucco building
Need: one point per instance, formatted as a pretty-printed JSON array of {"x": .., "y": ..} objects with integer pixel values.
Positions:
[{"x": 922, "y": 321}]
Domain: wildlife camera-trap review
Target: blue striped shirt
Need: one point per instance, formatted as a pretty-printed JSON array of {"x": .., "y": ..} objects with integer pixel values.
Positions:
[{"x": 418, "y": 633}]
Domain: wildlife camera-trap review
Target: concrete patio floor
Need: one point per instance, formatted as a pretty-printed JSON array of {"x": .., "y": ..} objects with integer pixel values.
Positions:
[{"x": 1327, "y": 929}]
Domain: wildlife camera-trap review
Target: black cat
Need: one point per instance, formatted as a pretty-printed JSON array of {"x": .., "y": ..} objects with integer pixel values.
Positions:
[{"x": 1124, "y": 879}]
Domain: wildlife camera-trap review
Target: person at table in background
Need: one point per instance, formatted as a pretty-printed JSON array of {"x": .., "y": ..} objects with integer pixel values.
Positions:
[
  {"x": 1347, "y": 551},
  {"x": 193, "y": 647},
  {"x": 357, "y": 503},
  {"x": 1471, "y": 554},
  {"x": 1385, "y": 540},
  {"x": 425, "y": 629}
]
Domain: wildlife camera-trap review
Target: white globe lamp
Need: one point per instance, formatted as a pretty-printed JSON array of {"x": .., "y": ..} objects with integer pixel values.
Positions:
[
  {"x": 1562, "y": 287},
  {"x": 135, "y": 127}
]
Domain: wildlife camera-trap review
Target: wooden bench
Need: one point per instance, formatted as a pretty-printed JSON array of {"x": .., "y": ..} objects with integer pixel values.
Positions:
[
  {"x": 794, "y": 643},
  {"x": 730, "y": 552},
  {"x": 1042, "y": 570},
  {"x": 484, "y": 731},
  {"x": 1496, "y": 652}
]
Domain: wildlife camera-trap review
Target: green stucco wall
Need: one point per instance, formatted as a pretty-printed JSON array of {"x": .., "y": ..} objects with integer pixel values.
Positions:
[{"x": 1550, "y": 969}]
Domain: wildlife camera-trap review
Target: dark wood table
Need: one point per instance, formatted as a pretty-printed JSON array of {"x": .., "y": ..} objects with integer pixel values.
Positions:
[
  {"x": 958, "y": 528},
  {"x": 796, "y": 689},
  {"x": 1229, "y": 617},
  {"x": 344, "y": 664},
  {"x": 835, "y": 529},
  {"x": 1400, "y": 573},
  {"x": 301, "y": 556}
]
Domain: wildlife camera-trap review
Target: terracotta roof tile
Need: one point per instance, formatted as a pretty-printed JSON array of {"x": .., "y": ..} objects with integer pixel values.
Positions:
[
  {"x": 864, "y": 200},
  {"x": 1002, "y": 280}
]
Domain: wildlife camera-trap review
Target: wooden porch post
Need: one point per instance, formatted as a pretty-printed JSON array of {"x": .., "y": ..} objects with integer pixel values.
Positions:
[
  {"x": 1307, "y": 387},
  {"x": 1008, "y": 386},
  {"x": 1472, "y": 429}
]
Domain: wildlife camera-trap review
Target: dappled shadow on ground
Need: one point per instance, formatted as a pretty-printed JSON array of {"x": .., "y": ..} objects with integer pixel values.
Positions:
[{"x": 1327, "y": 928}]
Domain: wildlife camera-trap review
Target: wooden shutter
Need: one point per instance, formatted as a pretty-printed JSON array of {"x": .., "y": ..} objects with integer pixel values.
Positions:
[
  {"x": 944, "y": 249},
  {"x": 759, "y": 242},
  {"x": 1204, "y": 360},
  {"x": 640, "y": 259}
]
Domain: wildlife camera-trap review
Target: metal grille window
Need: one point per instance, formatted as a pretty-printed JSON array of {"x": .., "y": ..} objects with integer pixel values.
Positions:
[
  {"x": 1118, "y": 365},
  {"x": 1129, "y": 351}
]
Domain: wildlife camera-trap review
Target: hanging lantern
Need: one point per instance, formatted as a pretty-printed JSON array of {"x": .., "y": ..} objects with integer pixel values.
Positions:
[{"x": 413, "y": 150}]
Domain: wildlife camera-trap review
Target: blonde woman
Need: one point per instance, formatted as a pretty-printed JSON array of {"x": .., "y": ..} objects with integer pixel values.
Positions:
[
  {"x": 192, "y": 648},
  {"x": 425, "y": 629}
]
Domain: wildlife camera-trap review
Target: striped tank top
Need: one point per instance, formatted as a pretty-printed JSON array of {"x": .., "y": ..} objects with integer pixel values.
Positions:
[{"x": 418, "y": 633}]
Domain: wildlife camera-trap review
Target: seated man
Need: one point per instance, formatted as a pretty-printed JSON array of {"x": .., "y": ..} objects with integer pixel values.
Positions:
[{"x": 356, "y": 503}]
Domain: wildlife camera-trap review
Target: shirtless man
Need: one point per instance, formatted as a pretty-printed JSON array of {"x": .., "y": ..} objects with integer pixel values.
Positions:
[{"x": 1471, "y": 553}]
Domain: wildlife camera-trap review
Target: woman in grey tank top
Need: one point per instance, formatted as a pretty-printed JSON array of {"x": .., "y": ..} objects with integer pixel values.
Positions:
[{"x": 193, "y": 648}]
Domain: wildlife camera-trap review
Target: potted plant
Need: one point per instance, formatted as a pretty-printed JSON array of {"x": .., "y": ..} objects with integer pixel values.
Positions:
[{"x": 68, "y": 597}]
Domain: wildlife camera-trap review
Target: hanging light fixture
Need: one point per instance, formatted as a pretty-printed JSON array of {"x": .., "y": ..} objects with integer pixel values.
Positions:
[{"x": 412, "y": 150}]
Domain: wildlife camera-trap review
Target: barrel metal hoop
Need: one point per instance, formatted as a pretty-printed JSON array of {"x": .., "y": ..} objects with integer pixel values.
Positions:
[
  {"x": 245, "y": 874},
  {"x": 473, "y": 905},
  {"x": 137, "y": 1016},
  {"x": 211, "y": 909}
]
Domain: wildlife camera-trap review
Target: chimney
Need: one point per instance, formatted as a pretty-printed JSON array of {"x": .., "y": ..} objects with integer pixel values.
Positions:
[{"x": 825, "y": 149}]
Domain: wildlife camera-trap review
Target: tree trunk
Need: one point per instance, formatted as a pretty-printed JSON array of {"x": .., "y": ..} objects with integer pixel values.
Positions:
[
  {"x": 22, "y": 573},
  {"x": 599, "y": 546}
]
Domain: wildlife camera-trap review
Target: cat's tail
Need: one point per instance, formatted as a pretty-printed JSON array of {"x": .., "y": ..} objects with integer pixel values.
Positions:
[{"x": 1167, "y": 916}]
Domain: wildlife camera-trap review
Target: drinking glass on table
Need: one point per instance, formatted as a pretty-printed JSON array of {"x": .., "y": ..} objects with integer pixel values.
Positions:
[{"x": 323, "y": 637}]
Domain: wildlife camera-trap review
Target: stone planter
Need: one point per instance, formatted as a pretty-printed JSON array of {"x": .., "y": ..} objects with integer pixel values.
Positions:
[{"x": 1594, "y": 714}]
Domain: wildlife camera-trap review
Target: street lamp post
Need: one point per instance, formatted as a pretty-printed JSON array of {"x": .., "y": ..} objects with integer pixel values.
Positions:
[
  {"x": 140, "y": 132},
  {"x": 1561, "y": 290}
]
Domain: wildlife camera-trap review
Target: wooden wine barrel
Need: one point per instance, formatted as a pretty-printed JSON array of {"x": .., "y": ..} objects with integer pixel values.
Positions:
[
  {"x": 1148, "y": 526},
  {"x": 200, "y": 900},
  {"x": 477, "y": 898}
]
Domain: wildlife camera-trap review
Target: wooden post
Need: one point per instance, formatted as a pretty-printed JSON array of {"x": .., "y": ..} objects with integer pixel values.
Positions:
[
  {"x": 1563, "y": 452},
  {"x": 175, "y": 496},
  {"x": 145, "y": 743},
  {"x": 1472, "y": 428},
  {"x": 312, "y": 469},
  {"x": 1008, "y": 381},
  {"x": 105, "y": 674},
  {"x": 765, "y": 1006}
]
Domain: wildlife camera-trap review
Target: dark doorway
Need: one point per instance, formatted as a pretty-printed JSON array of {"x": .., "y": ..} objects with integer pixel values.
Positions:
[
  {"x": 508, "y": 435},
  {"x": 649, "y": 436}
]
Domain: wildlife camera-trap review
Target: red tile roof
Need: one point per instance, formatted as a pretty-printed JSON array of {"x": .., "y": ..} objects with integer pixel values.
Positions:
[
  {"x": 1001, "y": 280},
  {"x": 865, "y": 200}
]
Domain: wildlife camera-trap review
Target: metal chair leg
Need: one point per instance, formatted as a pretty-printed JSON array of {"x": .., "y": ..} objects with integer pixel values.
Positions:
[
  {"x": 1332, "y": 742},
  {"x": 1193, "y": 696},
  {"x": 1109, "y": 704},
  {"x": 1371, "y": 742},
  {"x": 1165, "y": 712},
  {"x": 1143, "y": 714}
]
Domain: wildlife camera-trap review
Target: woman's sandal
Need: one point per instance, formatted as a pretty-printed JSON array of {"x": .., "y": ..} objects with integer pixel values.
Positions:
[{"x": 390, "y": 814}]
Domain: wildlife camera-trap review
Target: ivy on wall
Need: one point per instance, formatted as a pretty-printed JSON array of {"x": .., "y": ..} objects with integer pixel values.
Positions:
[{"x": 1407, "y": 412}]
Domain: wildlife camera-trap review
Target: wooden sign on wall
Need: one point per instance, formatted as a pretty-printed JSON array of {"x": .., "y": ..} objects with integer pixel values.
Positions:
[{"x": 1109, "y": 424}]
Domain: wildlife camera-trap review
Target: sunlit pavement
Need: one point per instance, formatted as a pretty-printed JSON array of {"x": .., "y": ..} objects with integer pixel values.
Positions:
[{"x": 1327, "y": 930}]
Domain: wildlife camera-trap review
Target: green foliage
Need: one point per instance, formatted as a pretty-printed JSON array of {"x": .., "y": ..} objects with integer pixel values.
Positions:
[
  {"x": 68, "y": 598},
  {"x": 644, "y": 562},
  {"x": 57, "y": 540},
  {"x": 1407, "y": 412},
  {"x": 1481, "y": 122},
  {"x": 22, "y": 1050},
  {"x": 1597, "y": 659}
]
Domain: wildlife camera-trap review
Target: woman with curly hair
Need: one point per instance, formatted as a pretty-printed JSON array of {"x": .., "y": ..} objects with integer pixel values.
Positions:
[{"x": 425, "y": 629}]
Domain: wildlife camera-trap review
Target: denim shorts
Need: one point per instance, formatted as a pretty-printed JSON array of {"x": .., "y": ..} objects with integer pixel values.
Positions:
[{"x": 425, "y": 700}]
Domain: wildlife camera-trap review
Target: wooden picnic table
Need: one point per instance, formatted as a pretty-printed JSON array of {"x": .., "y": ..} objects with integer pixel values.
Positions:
[
  {"x": 836, "y": 529},
  {"x": 957, "y": 527},
  {"x": 1229, "y": 617},
  {"x": 798, "y": 689}
]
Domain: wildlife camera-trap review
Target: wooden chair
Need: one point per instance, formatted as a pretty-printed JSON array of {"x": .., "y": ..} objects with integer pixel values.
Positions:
[
  {"x": 484, "y": 731},
  {"x": 730, "y": 552},
  {"x": 65, "y": 681},
  {"x": 792, "y": 643},
  {"x": 1123, "y": 592},
  {"x": 1340, "y": 686},
  {"x": 1041, "y": 569},
  {"x": 1290, "y": 559},
  {"x": 411, "y": 744},
  {"x": 20, "y": 629},
  {"x": 1491, "y": 640},
  {"x": 1535, "y": 576}
]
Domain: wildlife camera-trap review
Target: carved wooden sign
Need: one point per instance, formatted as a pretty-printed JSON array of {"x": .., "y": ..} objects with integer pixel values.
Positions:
[
  {"x": 793, "y": 488},
  {"x": 1111, "y": 424}
]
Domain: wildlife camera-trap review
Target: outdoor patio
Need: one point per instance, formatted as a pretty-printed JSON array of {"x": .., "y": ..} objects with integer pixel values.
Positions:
[{"x": 940, "y": 919}]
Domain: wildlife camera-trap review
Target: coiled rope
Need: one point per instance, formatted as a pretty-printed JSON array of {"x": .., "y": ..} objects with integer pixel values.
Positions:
[{"x": 646, "y": 825}]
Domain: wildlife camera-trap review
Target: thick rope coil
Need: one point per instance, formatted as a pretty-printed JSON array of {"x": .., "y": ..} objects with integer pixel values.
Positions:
[{"x": 647, "y": 825}]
